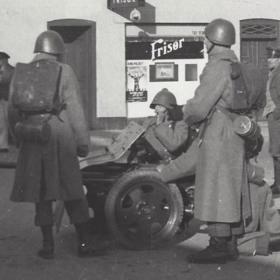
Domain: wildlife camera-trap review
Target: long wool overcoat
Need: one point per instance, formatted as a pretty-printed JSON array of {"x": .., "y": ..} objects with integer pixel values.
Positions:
[
  {"x": 51, "y": 171},
  {"x": 221, "y": 178},
  {"x": 274, "y": 119}
]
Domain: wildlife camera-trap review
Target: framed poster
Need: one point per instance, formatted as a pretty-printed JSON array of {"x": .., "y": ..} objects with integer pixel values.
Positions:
[{"x": 164, "y": 71}]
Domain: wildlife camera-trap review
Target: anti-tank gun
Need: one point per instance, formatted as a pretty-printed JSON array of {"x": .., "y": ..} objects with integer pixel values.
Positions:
[{"x": 127, "y": 194}]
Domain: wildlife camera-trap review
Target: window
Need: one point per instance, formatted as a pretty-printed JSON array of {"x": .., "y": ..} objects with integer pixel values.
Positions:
[{"x": 191, "y": 72}]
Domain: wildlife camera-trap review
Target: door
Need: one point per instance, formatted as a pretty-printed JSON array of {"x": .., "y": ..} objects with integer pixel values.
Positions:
[
  {"x": 79, "y": 39},
  {"x": 256, "y": 35},
  {"x": 254, "y": 51}
]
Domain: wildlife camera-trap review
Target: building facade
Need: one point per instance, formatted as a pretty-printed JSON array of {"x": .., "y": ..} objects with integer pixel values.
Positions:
[{"x": 124, "y": 52}]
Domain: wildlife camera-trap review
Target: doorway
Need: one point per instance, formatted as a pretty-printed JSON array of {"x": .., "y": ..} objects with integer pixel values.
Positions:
[
  {"x": 80, "y": 53},
  {"x": 256, "y": 35}
]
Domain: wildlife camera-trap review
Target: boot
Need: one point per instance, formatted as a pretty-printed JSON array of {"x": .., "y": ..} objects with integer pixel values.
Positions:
[
  {"x": 85, "y": 246},
  {"x": 47, "y": 250},
  {"x": 275, "y": 188},
  {"x": 216, "y": 252},
  {"x": 233, "y": 253}
]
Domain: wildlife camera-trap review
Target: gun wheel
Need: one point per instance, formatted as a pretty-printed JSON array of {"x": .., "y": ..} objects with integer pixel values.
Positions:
[{"x": 142, "y": 211}]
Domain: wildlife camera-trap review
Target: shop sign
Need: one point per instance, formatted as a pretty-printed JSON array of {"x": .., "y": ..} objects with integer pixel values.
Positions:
[
  {"x": 161, "y": 47},
  {"x": 115, "y": 4}
]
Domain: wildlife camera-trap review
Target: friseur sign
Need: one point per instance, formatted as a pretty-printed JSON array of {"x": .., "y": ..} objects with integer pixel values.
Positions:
[{"x": 115, "y": 4}]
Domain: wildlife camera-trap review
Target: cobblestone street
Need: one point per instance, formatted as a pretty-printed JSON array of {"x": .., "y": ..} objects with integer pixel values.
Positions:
[{"x": 20, "y": 240}]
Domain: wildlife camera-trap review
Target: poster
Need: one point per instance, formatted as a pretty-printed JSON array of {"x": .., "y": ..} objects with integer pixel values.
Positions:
[{"x": 136, "y": 90}]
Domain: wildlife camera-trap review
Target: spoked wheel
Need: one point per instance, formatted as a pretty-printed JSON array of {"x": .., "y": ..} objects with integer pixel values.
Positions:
[{"x": 142, "y": 211}]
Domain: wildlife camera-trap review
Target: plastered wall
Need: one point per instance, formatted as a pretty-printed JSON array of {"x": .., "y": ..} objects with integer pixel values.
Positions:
[{"x": 22, "y": 21}]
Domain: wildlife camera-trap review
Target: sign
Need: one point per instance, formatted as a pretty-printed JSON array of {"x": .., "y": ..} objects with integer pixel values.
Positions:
[
  {"x": 161, "y": 47},
  {"x": 115, "y": 4},
  {"x": 136, "y": 82}
]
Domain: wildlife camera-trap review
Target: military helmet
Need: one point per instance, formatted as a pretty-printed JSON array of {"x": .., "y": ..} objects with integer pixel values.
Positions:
[
  {"x": 49, "y": 42},
  {"x": 220, "y": 32},
  {"x": 273, "y": 50},
  {"x": 164, "y": 98}
]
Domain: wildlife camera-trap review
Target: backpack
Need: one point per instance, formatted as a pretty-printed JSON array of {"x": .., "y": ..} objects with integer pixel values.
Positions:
[
  {"x": 35, "y": 87},
  {"x": 35, "y": 94},
  {"x": 248, "y": 86}
]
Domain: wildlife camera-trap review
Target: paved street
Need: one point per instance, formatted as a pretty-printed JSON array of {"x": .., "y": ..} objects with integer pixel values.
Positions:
[{"x": 19, "y": 241}]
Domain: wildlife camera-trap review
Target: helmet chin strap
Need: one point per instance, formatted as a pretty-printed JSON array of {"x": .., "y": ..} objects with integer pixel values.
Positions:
[{"x": 211, "y": 48}]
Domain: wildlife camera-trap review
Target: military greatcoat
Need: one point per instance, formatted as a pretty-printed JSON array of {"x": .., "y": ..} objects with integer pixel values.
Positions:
[
  {"x": 274, "y": 118},
  {"x": 221, "y": 178},
  {"x": 52, "y": 169}
]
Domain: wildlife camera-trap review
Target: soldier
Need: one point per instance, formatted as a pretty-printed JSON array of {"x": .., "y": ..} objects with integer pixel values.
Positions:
[
  {"x": 6, "y": 72},
  {"x": 166, "y": 125},
  {"x": 272, "y": 111},
  {"x": 49, "y": 171},
  {"x": 221, "y": 178}
]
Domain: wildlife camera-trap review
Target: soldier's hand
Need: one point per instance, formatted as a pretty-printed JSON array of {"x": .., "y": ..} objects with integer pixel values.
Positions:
[
  {"x": 276, "y": 114},
  {"x": 161, "y": 117},
  {"x": 82, "y": 150}
]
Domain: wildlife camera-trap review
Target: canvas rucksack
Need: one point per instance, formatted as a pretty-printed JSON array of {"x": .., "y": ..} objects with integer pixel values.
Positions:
[
  {"x": 248, "y": 86},
  {"x": 35, "y": 87},
  {"x": 35, "y": 93}
]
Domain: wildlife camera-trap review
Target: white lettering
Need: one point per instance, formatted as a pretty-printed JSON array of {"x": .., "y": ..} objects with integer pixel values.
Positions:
[
  {"x": 181, "y": 43},
  {"x": 161, "y": 47},
  {"x": 175, "y": 45},
  {"x": 159, "y": 41}
]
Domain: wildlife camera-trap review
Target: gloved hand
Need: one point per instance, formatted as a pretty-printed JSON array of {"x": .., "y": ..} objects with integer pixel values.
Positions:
[
  {"x": 276, "y": 114},
  {"x": 82, "y": 150}
]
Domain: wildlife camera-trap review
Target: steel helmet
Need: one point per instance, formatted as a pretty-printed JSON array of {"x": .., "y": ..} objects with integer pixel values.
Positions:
[
  {"x": 164, "y": 98},
  {"x": 49, "y": 42},
  {"x": 273, "y": 50},
  {"x": 220, "y": 32}
]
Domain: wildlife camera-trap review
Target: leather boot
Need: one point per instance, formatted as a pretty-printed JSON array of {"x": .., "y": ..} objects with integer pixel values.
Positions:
[
  {"x": 85, "y": 246},
  {"x": 216, "y": 252},
  {"x": 276, "y": 185},
  {"x": 233, "y": 253},
  {"x": 47, "y": 250}
]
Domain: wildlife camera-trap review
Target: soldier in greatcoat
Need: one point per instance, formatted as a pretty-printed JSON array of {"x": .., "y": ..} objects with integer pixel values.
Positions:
[
  {"x": 272, "y": 111},
  {"x": 50, "y": 171},
  {"x": 221, "y": 194},
  {"x": 6, "y": 73}
]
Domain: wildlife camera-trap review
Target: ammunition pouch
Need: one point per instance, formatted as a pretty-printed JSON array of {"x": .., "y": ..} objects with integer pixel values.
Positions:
[{"x": 35, "y": 129}]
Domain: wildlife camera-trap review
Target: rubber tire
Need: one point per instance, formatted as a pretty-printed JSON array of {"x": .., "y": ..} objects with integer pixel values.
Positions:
[{"x": 126, "y": 183}]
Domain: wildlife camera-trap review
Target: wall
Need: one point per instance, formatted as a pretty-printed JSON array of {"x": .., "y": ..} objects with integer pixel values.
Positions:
[{"x": 22, "y": 21}]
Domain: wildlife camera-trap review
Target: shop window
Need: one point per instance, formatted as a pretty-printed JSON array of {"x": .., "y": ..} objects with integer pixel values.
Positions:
[{"x": 191, "y": 72}]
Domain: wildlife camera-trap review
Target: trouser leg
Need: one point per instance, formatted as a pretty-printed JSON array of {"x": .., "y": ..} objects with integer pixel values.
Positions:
[
  {"x": 79, "y": 215},
  {"x": 276, "y": 185},
  {"x": 3, "y": 126},
  {"x": 77, "y": 211},
  {"x": 44, "y": 219},
  {"x": 43, "y": 213}
]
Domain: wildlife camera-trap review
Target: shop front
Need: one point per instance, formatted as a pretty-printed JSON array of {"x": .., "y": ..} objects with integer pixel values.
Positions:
[{"x": 173, "y": 58}]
